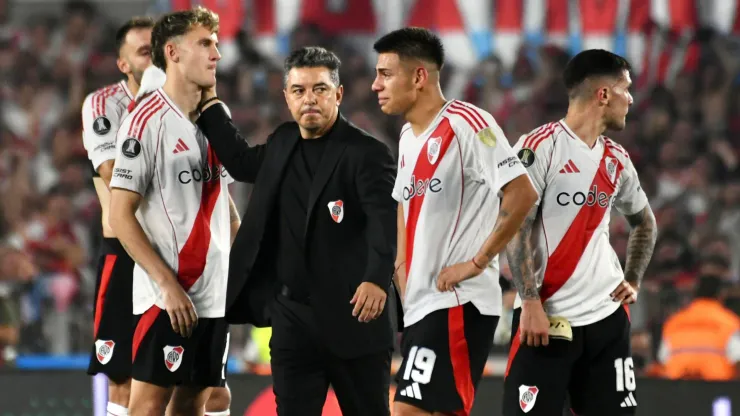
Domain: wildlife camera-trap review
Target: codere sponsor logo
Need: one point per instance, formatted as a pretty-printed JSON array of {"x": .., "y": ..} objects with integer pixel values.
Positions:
[
  {"x": 204, "y": 174},
  {"x": 420, "y": 187},
  {"x": 593, "y": 197}
]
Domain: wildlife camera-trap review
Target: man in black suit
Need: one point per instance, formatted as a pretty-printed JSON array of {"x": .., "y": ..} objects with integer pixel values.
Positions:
[{"x": 314, "y": 255}]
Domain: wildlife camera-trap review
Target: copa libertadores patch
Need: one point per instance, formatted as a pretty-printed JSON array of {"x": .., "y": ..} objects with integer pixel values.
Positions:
[
  {"x": 526, "y": 156},
  {"x": 101, "y": 126}
]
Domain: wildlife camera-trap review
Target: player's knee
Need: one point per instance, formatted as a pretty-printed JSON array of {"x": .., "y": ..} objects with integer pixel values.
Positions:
[
  {"x": 147, "y": 407},
  {"x": 119, "y": 393},
  {"x": 219, "y": 400},
  {"x": 404, "y": 409}
]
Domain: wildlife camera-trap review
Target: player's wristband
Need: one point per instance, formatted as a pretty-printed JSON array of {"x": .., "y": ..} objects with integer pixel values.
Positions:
[
  {"x": 203, "y": 104},
  {"x": 476, "y": 264}
]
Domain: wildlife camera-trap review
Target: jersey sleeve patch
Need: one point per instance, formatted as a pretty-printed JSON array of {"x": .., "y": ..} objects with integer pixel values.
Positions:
[
  {"x": 487, "y": 136},
  {"x": 101, "y": 126},
  {"x": 131, "y": 148},
  {"x": 526, "y": 156}
]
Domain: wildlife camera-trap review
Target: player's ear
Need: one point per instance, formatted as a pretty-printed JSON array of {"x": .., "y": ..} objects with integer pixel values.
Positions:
[
  {"x": 123, "y": 66},
  {"x": 603, "y": 94},
  {"x": 340, "y": 94},
  {"x": 171, "y": 51},
  {"x": 421, "y": 75}
]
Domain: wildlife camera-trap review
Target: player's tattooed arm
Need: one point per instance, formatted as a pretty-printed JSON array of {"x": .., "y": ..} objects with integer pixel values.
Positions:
[
  {"x": 640, "y": 244},
  {"x": 519, "y": 253}
]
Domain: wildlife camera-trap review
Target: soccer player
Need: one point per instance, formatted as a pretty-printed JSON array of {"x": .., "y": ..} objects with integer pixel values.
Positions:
[
  {"x": 572, "y": 334},
  {"x": 453, "y": 163},
  {"x": 172, "y": 212},
  {"x": 102, "y": 113}
]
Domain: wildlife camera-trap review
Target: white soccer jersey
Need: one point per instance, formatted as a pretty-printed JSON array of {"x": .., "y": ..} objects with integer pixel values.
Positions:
[
  {"x": 102, "y": 114},
  {"x": 164, "y": 157},
  {"x": 448, "y": 180},
  {"x": 576, "y": 266}
]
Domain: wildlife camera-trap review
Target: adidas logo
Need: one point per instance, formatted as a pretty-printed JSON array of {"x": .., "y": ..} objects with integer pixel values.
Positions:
[
  {"x": 629, "y": 401},
  {"x": 412, "y": 391},
  {"x": 570, "y": 167},
  {"x": 180, "y": 147}
]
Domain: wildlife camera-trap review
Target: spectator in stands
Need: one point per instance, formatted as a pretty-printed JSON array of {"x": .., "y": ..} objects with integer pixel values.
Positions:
[
  {"x": 16, "y": 269},
  {"x": 702, "y": 341}
]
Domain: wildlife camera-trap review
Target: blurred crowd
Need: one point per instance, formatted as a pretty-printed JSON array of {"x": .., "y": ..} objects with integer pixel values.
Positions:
[{"x": 684, "y": 139}]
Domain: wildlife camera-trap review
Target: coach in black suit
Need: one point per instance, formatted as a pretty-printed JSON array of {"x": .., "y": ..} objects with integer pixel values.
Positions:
[{"x": 314, "y": 255}]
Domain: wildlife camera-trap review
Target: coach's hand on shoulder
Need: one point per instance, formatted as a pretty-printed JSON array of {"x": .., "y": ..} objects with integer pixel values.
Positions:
[
  {"x": 452, "y": 275},
  {"x": 205, "y": 95},
  {"x": 625, "y": 293},
  {"x": 180, "y": 308},
  {"x": 534, "y": 327},
  {"x": 369, "y": 301}
]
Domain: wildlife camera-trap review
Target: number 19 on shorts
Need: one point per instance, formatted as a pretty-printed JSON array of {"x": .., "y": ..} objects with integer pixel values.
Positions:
[
  {"x": 625, "y": 374},
  {"x": 420, "y": 365}
]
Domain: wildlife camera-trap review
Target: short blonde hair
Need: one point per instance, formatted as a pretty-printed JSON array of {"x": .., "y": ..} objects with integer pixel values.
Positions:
[{"x": 177, "y": 24}]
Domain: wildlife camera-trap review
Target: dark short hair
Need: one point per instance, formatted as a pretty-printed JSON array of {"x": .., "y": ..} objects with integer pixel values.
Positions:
[
  {"x": 592, "y": 63},
  {"x": 177, "y": 24},
  {"x": 413, "y": 43},
  {"x": 313, "y": 57},
  {"x": 132, "y": 24}
]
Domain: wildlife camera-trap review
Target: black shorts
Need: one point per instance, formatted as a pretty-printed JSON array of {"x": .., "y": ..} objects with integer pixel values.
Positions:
[
  {"x": 164, "y": 358},
  {"x": 444, "y": 355},
  {"x": 595, "y": 369},
  {"x": 113, "y": 313}
]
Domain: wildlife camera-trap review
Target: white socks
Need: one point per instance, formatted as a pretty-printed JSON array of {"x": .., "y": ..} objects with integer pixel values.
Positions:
[
  {"x": 223, "y": 413},
  {"x": 116, "y": 410}
]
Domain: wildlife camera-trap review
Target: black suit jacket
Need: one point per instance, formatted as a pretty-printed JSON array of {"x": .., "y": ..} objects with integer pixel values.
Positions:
[{"x": 355, "y": 169}]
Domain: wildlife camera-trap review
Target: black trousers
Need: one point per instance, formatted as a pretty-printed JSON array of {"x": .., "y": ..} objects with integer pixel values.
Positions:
[{"x": 303, "y": 368}]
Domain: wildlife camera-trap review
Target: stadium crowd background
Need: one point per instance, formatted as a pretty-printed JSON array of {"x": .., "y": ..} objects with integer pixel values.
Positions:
[{"x": 683, "y": 134}]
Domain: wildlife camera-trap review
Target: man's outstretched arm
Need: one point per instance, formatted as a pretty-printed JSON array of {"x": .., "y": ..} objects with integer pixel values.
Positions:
[{"x": 241, "y": 160}]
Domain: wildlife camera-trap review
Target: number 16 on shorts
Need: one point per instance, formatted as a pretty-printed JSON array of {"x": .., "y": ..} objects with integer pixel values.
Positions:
[{"x": 625, "y": 372}]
